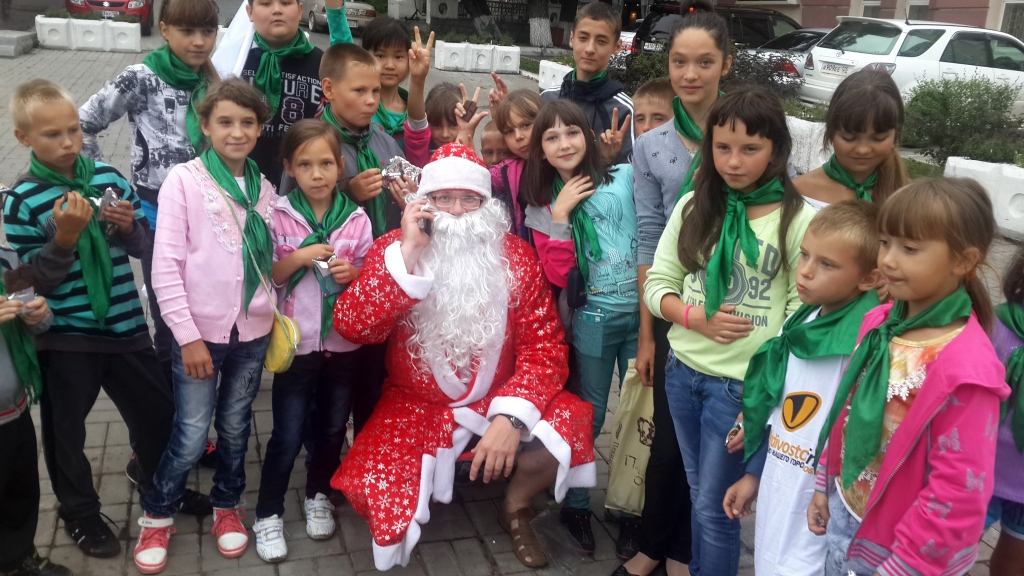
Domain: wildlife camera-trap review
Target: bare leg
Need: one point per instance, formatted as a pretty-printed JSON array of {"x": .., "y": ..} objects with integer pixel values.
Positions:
[
  {"x": 536, "y": 471},
  {"x": 676, "y": 568},
  {"x": 1008, "y": 557},
  {"x": 641, "y": 565}
]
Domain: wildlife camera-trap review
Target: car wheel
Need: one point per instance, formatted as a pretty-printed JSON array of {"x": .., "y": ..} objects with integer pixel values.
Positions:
[
  {"x": 147, "y": 26},
  {"x": 312, "y": 23}
]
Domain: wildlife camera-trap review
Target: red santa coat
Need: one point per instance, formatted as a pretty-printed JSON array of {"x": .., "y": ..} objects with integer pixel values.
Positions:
[{"x": 426, "y": 416}]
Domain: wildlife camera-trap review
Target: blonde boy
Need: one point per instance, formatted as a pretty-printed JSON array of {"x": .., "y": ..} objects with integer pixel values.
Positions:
[
  {"x": 492, "y": 146},
  {"x": 653, "y": 105}
]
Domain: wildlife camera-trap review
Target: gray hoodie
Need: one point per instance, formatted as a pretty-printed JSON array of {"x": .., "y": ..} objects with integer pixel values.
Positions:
[{"x": 13, "y": 400}]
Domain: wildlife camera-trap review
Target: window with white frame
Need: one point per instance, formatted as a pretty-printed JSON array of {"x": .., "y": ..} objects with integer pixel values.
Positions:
[
  {"x": 1013, "y": 19},
  {"x": 872, "y": 9},
  {"x": 917, "y": 10}
]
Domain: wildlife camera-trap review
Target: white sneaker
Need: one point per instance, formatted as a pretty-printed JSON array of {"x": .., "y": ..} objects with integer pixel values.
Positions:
[
  {"x": 151, "y": 548},
  {"x": 319, "y": 520},
  {"x": 270, "y": 544}
]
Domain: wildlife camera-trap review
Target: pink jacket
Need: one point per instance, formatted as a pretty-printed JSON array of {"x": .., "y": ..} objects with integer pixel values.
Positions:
[
  {"x": 927, "y": 510},
  {"x": 197, "y": 260},
  {"x": 417, "y": 145},
  {"x": 511, "y": 168},
  {"x": 351, "y": 242}
]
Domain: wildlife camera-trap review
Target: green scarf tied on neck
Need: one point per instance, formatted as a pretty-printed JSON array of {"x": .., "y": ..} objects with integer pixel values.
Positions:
[
  {"x": 335, "y": 217},
  {"x": 268, "y": 75},
  {"x": 692, "y": 132},
  {"x": 179, "y": 76},
  {"x": 23, "y": 354},
  {"x": 834, "y": 170},
  {"x": 582, "y": 231},
  {"x": 257, "y": 250},
  {"x": 396, "y": 125},
  {"x": 93, "y": 251},
  {"x": 869, "y": 371},
  {"x": 366, "y": 159},
  {"x": 1012, "y": 315},
  {"x": 832, "y": 335},
  {"x": 736, "y": 228}
]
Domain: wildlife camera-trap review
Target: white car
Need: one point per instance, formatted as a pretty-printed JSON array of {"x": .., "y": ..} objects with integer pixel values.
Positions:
[
  {"x": 912, "y": 52},
  {"x": 314, "y": 15}
]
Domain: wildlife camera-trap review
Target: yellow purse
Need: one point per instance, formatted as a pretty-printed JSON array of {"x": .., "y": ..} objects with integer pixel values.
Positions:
[{"x": 284, "y": 335}]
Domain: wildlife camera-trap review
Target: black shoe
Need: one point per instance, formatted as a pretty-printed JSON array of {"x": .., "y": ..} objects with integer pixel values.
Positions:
[
  {"x": 628, "y": 544},
  {"x": 35, "y": 565},
  {"x": 93, "y": 536},
  {"x": 131, "y": 470},
  {"x": 195, "y": 504},
  {"x": 577, "y": 522},
  {"x": 209, "y": 457}
]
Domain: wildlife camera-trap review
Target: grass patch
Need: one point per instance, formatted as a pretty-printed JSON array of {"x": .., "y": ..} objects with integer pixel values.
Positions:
[
  {"x": 529, "y": 65},
  {"x": 804, "y": 111},
  {"x": 917, "y": 169}
]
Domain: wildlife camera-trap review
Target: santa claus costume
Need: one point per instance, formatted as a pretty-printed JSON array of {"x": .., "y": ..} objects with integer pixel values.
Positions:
[{"x": 474, "y": 334}]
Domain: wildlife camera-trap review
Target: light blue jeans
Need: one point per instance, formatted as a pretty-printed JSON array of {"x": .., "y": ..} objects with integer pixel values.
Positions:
[
  {"x": 704, "y": 409},
  {"x": 603, "y": 339},
  {"x": 842, "y": 527}
]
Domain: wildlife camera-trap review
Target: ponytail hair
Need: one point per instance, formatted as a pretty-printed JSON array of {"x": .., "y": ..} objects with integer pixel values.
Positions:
[
  {"x": 868, "y": 100},
  {"x": 193, "y": 14},
  {"x": 761, "y": 112},
  {"x": 956, "y": 211}
]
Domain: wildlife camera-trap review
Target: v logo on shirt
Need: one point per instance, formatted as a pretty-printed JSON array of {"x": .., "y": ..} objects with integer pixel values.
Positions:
[{"x": 798, "y": 409}]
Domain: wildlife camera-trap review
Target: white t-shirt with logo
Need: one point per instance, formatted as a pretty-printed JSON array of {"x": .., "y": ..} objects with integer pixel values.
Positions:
[{"x": 783, "y": 546}]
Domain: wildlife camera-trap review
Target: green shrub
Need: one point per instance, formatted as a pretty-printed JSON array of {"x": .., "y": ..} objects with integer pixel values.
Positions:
[
  {"x": 639, "y": 68},
  {"x": 455, "y": 38},
  {"x": 941, "y": 112},
  {"x": 90, "y": 15},
  {"x": 917, "y": 169},
  {"x": 762, "y": 69},
  {"x": 565, "y": 60},
  {"x": 379, "y": 6},
  {"x": 57, "y": 13},
  {"x": 810, "y": 112},
  {"x": 1000, "y": 148},
  {"x": 128, "y": 19}
]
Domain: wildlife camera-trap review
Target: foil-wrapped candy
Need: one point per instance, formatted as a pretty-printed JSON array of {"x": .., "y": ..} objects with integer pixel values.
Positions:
[{"x": 399, "y": 167}]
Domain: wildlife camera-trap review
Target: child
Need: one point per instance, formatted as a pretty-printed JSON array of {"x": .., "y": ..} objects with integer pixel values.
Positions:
[
  {"x": 582, "y": 214},
  {"x": 159, "y": 97},
  {"x": 792, "y": 379},
  {"x": 514, "y": 119},
  {"x": 313, "y": 222},
  {"x": 20, "y": 386},
  {"x": 906, "y": 476},
  {"x": 214, "y": 231},
  {"x": 1007, "y": 505},
  {"x": 653, "y": 105},
  {"x": 594, "y": 38},
  {"x": 99, "y": 337},
  {"x": 492, "y": 146},
  {"x": 440, "y": 106},
  {"x": 863, "y": 127},
  {"x": 400, "y": 113},
  {"x": 664, "y": 161},
  {"x": 725, "y": 275}
]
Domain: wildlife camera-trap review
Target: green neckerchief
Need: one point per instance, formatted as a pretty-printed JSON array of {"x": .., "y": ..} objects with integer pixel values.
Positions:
[
  {"x": 23, "y": 354},
  {"x": 268, "y": 75},
  {"x": 599, "y": 77},
  {"x": 396, "y": 125},
  {"x": 692, "y": 132},
  {"x": 366, "y": 159},
  {"x": 179, "y": 76},
  {"x": 834, "y": 334},
  {"x": 835, "y": 171},
  {"x": 736, "y": 228},
  {"x": 93, "y": 251},
  {"x": 255, "y": 234},
  {"x": 335, "y": 217},
  {"x": 582, "y": 230},
  {"x": 1012, "y": 315},
  {"x": 869, "y": 371}
]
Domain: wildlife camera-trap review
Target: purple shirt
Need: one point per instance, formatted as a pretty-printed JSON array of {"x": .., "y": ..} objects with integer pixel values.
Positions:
[{"x": 1009, "y": 460}]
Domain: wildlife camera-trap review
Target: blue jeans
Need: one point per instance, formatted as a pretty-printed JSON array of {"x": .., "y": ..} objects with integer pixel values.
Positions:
[
  {"x": 315, "y": 396},
  {"x": 239, "y": 366},
  {"x": 842, "y": 527},
  {"x": 704, "y": 409},
  {"x": 602, "y": 338}
]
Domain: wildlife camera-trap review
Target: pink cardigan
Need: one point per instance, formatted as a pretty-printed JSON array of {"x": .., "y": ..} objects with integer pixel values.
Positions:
[
  {"x": 927, "y": 510},
  {"x": 197, "y": 260},
  {"x": 351, "y": 242},
  {"x": 417, "y": 145}
]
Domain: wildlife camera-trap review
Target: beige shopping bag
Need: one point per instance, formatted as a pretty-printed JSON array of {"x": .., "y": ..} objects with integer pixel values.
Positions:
[{"x": 632, "y": 434}]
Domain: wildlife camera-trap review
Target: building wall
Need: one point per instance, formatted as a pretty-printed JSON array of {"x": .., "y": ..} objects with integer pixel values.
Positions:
[{"x": 823, "y": 13}]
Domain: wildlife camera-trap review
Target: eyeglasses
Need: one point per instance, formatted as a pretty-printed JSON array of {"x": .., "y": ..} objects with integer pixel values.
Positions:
[{"x": 468, "y": 202}]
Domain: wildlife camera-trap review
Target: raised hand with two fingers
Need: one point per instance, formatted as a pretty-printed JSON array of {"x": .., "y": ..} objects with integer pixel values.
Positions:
[
  {"x": 419, "y": 55},
  {"x": 612, "y": 138},
  {"x": 498, "y": 93},
  {"x": 468, "y": 116}
]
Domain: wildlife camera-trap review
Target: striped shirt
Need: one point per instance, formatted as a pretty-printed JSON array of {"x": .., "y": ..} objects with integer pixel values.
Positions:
[{"x": 28, "y": 216}]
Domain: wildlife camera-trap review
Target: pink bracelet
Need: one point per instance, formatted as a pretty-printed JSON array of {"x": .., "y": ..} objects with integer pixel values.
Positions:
[{"x": 686, "y": 316}]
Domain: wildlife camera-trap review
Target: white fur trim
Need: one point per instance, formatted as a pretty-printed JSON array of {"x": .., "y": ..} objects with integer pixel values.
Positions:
[
  {"x": 455, "y": 173},
  {"x": 415, "y": 285},
  {"x": 582, "y": 476},
  {"x": 515, "y": 406},
  {"x": 455, "y": 389}
]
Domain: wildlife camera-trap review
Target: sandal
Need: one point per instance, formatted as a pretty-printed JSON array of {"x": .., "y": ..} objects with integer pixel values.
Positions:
[{"x": 524, "y": 539}]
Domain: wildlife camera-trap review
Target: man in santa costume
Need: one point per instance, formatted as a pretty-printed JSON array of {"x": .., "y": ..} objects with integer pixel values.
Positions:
[{"x": 476, "y": 349}]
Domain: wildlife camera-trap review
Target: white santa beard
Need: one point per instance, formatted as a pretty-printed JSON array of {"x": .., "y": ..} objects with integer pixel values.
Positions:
[{"x": 464, "y": 312}]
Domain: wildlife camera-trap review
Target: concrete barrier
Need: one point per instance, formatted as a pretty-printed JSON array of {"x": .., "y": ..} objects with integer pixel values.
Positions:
[
  {"x": 506, "y": 59},
  {"x": 123, "y": 37},
  {"x": 1005, "y": 186},
  {"x": 465, "y": 57},
  {"x": 95, "y": 35},
  {"x": 14, "y": 43},
  {"x": 551, "y": 74},
  {"x": 53, "y": 32},
  {"x": 481, "y": 56}
]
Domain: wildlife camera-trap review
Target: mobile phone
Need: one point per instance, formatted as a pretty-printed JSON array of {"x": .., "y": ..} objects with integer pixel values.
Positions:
[{"x": 428, "y": 225}]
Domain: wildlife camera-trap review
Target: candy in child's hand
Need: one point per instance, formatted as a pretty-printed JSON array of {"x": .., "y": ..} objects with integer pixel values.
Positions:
[
  {"x": 399, "y": 167},
  {"x": 470, "y": 108}
]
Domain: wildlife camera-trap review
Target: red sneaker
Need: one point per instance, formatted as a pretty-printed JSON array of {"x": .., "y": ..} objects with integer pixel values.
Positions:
[
  {"x": 232, "y": 537},
  {"x": 151, "y": 549}
]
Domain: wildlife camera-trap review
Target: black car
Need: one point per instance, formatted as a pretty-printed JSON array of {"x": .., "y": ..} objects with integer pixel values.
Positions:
[{"x": 748, "y": 27}]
